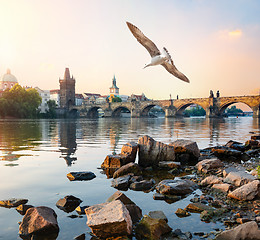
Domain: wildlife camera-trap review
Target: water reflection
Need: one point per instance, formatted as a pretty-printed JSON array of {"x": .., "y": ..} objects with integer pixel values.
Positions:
[{"x": 68, "y": 145}]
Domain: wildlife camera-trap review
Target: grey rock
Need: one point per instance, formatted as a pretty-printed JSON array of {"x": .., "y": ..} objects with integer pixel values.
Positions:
[
  {"x": 121, "y": 183},
  {"x": 68, "y": 203},
  {"x": 176, "y": 187}
]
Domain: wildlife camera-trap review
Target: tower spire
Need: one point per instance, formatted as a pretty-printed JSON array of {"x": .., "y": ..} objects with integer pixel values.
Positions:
[{"x": 67, "y": 74}]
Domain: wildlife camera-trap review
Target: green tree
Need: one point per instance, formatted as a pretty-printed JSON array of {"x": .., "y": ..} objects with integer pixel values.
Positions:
[
  {"x": 51, "y": 112},
  {"x": 197, "y": 111},
  {"x": 116, "y": 99},
  {"x": 234, "y": 111},
  {"x": 20, "y": 103}
]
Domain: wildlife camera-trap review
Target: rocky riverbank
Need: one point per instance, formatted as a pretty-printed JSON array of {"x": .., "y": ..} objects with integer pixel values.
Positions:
[{"x": 226, "y": 175}]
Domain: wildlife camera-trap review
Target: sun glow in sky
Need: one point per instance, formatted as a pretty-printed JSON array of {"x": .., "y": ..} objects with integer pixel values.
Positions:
[{"x": 215, "y": 43}]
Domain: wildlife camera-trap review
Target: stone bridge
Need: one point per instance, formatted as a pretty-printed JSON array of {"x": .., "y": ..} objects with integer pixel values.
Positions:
[{"x": 214, "y": 106}]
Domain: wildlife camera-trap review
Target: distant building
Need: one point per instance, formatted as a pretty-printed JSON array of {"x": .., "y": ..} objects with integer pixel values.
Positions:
[
  {"x": 124, "y": 98},
  {"x": 79, "y": 99},
  {"x": 101, "y": 99},
  {"x": 45, "y": 95},
  {"x": 67, "y": 90},
  {"x": 8, "y": 80},
  {"x": 114, "y": 89},
  {"x": 91, "y": 97},
  {"x": 55, "y": 95},
  {"x": 135, "y": 97}
]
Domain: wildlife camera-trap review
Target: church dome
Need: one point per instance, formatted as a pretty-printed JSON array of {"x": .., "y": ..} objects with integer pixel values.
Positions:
[{"x": 8, "y": 77}]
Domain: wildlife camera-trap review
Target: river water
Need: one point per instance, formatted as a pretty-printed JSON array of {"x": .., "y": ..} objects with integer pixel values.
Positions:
[{"x": 36, "y": 155}]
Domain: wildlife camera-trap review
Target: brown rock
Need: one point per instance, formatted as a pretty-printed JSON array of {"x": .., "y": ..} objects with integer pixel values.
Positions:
[
  {"x": 128, "y": 168},
  {"x": 23, "y": 208},
  {"x": 239, "y": 178},
  {"x": 209, "y": 164},
  {"x": 39, "y": 221},
  {"x": 129, "y": 150},
  {"x": 13, "y": 202},
  {"x": 224, "y": 187},
  {"x": 186, "y": 146},
  {"x": 198, "y": 207},
  {"x": 134, "y": 210},
  {"x": 255, "y": 137},
  {"x": 182, "y": 213},
  {"x": 109, "y": 219},
  {"x": 68, "y": 203},
  {"x": 210, "y": 180},
  {"x": 244, "y": 231},
  {"x": 169, "y": 164},
  {"x": 247, "y": 191},
  {"x": 152, "y": 152}
]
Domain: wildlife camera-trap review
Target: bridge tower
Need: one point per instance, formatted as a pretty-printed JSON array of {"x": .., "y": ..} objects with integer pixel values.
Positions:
[
  {"x": 67, "y": 90},
  {"x": 114, "y": 89}
]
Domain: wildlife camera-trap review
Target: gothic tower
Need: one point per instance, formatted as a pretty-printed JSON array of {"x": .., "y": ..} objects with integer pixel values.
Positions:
[
  {"x": 67, "y": 90},
  {"x": 114, "y": 89}
]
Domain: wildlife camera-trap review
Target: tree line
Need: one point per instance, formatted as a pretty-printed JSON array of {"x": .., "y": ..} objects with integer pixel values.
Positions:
[{"x": 19, "y": 102}]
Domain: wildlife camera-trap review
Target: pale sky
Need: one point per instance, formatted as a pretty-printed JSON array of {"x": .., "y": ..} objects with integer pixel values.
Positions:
[{"x": 215, "y": 43}]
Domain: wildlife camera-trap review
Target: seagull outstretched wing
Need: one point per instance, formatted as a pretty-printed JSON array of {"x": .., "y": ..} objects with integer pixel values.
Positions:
[
  {"x": 174, "y": 71},
  {"x": 145, "y": 41}
]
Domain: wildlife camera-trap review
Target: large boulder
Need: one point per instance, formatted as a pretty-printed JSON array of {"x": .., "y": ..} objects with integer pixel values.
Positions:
[
  {"x": 129, "y": 150},
  {"x": 13, "y": 202},
  {"x": 244, "y": 231},
  {"x": 239, "y": 178},
  {"x": 176, "y": 187},
  {"x": 247, "y": 192},
  {"x": 134, "y": 210},
  {"x": 151, "y": 228},
  {"x": 128, "y": 168},
  {"x": 39, "y": 221},
  {"x": 109, "y": 219},
  {"x": 68, "y": 203},
  {"x": 223, "y": 187},
  {"x": 182, "y": 146},
  {"x": 209, "y": 164},
  {"x": 152, "y": 152},
  {"x": 127, "y": 155},
  {"x": 80, "y": 176}
]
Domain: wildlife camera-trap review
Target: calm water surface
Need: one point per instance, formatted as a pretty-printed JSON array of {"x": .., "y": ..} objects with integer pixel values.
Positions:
[{"x": 35, "y": 157}]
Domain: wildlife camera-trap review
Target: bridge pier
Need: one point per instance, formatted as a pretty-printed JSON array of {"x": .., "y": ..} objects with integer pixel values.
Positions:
[
  {"x": 256, "y": 112},
  {"x": 170, "y": 112}
]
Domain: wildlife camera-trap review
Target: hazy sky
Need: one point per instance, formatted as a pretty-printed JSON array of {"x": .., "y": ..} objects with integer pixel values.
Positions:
[{"x": 215, "y": 43}]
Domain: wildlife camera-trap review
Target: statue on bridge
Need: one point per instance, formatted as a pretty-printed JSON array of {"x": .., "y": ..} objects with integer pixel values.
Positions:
[
  {"x": 211, "y": 94},
  {"x": 218, "y": 95}
]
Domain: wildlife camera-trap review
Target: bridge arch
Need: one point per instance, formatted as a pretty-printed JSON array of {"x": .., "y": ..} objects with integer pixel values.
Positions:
[
  {"x": 224, "y": 106},
  {"x": 183, "y": 107},
  {"x": 146, "y": 109},
  {"x": 93, "y": 112},
  {"x": 117, "y": 112}
]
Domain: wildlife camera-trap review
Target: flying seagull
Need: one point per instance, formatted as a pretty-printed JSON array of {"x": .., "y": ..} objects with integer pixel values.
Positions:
[{"x": 157, "y": 57}]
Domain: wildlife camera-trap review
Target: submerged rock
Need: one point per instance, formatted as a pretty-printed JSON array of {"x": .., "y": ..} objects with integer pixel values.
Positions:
[
  {"x": 80, "y": 176},
  {"x": 182, "y": 213},
  {"x": 39, "y": 221},
  {"x": 109, "y": 219},
  {"x": 13, "y": 202},
  {"x": 151, "y": 228},
  {"x": 198, "y": 207},
  {"x": 142, "y": 185},
  {"x": 176, "y": 187},
  {"x": 68, "y": 203},
  {"x": 158, "y": 215},
  {"x": 152, "y": 152}
]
